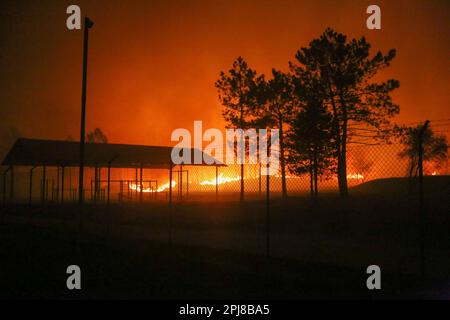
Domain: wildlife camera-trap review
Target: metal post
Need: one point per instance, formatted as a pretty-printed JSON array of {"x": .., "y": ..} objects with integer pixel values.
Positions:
[
  {"x": 267, "y": 212},
  {"x": 99, "y": 179},
  {"x": 95, "y": 183},
  {"x": 141, "y": 185},
  {"x": 44, "y": 179},
  {"x": 421, "y": 200},
  {"x": 187, "y": 184},
  {"x": 121, "y": 191},
  {"x": 87, "y": 25},
  {"x": 4, "y": 185},
  {"x": 260, "y": 180},
  {"x": 31, "y": 186},
  {"x": 217, "y": 183},
  {"x": 268, "y": 202},
  {"x": 136, "y": 182},
  {"x": 170, "y": 205},
  {"x": 62, "y": 184},
  {"x": 170, "y": 184},
  {"x": 109, "y": 182},
  {"x": 53, "y": 190},
  {"x": 11, "y": 185},
  {"x": 181, "y": 182},
  {"x": 57, "y": 184}
]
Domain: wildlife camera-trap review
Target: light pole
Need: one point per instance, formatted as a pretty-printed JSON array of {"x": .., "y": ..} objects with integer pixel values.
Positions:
[{"x": 87, "y": 25}]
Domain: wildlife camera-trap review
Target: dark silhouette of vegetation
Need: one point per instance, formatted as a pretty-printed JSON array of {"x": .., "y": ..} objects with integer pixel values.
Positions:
[
  {"x": 96, "y": 136},
  {"x": 345, "y": 71},
  {"x": 276, "y": 110},
  {"x": 435, "y": 147},
  {"x": 310, "y": 138},
  {"x": 238, "y": 94},
  {"x": 328, "y": 93}
]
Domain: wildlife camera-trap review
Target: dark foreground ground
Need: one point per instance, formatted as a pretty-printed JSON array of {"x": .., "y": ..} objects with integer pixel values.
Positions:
[
  {"x": 34, "y": 261},
  {"x": 318, "y": 249}
]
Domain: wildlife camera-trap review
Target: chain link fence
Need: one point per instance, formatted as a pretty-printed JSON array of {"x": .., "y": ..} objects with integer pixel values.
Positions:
[{"x": 364, "y": 163}]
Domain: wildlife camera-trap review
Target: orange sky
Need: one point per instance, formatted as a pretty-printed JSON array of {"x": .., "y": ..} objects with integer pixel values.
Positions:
[{"x": 153, "y": 64}]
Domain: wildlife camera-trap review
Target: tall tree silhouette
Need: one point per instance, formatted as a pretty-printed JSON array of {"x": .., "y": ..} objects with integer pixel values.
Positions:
[
  {"x": 275, "y": 110},
  {"x": 346, "y": 71},
  {"x": 237, "y": 93},
  {"x": 310, "y": 137},
  {"x": 435, "y": 147}
]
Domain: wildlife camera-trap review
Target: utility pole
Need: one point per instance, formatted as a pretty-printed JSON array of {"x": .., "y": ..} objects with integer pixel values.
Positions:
[
  {"x": 87, "y": 25},
  {"x": 421, "y": 199}
]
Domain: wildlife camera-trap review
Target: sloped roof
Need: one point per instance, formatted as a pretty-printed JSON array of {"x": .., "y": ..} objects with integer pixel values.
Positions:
[{"x": 34, "y": 152}]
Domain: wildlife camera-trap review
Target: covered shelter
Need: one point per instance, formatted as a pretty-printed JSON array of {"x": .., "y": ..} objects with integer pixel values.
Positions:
[{"x": 63, "y": 154}]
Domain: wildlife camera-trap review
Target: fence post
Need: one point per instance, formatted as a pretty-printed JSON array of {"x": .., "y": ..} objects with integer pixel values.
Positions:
[
  {"x": 30, "y": 191},
  {"x": 217, "y": 183},
  {"x": 421, "y": 199},
  {"x": 11, "y": 185},
  {"x": 268, "y": 212},
  {"x": 4, "y": 185}
]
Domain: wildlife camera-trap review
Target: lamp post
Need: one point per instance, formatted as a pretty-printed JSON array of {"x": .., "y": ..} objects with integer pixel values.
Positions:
[{"x": 87, "y": 25}]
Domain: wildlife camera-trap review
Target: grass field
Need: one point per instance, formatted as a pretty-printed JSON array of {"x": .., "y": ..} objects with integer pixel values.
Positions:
[{"x": 318, "y": 248}]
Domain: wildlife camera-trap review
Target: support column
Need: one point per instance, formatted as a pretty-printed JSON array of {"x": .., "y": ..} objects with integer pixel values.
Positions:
[
  {"x": 217, "y": 183},
  {"x": 181, "y": 182},
  {"x": 11, "y": 185},
  {"x": 187, "y": 184},
  {"x": 4, "y": 185},
  {"x": 121, "y": 191},
  {"x": 95, "y": 183},
  {"x": 30, "y": 195},
  {"x": 141, "y": 185},
  {"x": 109, "y": 183},
  {"x": 260, "y": 180},
  {"x": 62, "y": 184},
  {"x": 170, "y": 184},
  {"x": 268, "y": 212},
  {"x": 57, "y": 184},
  {"x": 99, "y": 179},
  {"x": 44, "y": 184},
  {"x": 136, "y": 182}
]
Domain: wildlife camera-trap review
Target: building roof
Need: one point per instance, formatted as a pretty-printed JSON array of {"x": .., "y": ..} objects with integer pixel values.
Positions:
[{"x": 34, "y": 152}]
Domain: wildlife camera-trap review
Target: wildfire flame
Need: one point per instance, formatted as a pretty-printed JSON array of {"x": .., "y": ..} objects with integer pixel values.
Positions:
[
  {"x": 220, "y": 180},
  {"x": 146, "y": 190},
  {"x": 355, "y": 176}
]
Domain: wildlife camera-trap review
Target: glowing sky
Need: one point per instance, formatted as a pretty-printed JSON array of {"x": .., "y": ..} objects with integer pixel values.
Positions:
[{"x": 153, "y": 64}]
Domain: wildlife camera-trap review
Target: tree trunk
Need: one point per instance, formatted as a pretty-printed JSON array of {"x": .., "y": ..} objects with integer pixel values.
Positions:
[
  {"x": 316, "y": 189},
  {"x": 282, "y": 161},
  {"x": 342, "y": 159},
  {"x": 311, "y": 180},
  {"x": 342, "y": 173},
  {"x": 241, "y": 120},
  {"x": 242, "y": 183},
  {"x": 341, "y": 165}
]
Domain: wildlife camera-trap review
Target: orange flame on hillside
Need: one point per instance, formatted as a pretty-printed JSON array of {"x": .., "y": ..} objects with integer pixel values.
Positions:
[
  {"x": 220, "y": 180},
  {"x": 162, "y": 188},
  {"x": 355, "y": 176}
]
